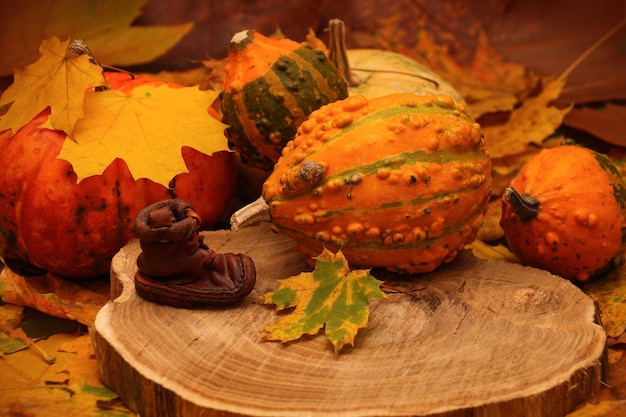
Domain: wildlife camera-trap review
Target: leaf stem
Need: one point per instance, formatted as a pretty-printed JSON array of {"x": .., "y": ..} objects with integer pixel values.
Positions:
[
  {"x": 590, "y": 50},
  {"x": 45, "y": 355},
  {"x": 79, "y": 47},
  {"x": 409, "y": 293}
]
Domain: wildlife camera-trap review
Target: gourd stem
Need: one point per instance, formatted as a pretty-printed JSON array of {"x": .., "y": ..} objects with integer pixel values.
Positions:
[
  {"x": 590, "y": 50},
  {"x": 338, "y": 52},
  {"x": 339, "y": 57},
  {"x": 250, "y": 215},
  {"x": 525, "y": 206}
]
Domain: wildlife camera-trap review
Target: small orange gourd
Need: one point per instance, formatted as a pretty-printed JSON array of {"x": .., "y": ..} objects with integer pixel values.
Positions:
[{"x": 565, "y": 212}]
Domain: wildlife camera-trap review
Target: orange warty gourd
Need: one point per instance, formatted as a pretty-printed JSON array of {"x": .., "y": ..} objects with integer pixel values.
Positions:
[
  {"x": 565, "y": 212},
  {"x": 51, "y": 222},
  {"x": 400, "y": 182}
]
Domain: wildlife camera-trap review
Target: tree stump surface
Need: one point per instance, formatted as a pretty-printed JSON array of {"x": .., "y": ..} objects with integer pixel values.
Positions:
[{"x": 474, "y": 338}]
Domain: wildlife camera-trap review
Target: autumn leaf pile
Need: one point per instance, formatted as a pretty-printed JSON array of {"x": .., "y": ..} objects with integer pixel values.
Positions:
[{"x": 519, "y": 110}]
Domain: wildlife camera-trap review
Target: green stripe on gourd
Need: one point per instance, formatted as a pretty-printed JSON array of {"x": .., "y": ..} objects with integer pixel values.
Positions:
[
  {"x": 352, "y": 214},
  {"x": 377, "y": 244},
  {"x": 308, "y": 77},
  {"x": 315, "y": 61},
  {"x": 236, "y": 133},
  {"x": 413, "y": 158},
  {"x": 395, "y": 204},
  {"x": 619, "y": 191},
  {"x": 281, "y": 100},
  {"x": 617, "y": 182},
  {"x": 413, "y": 202},
  {"x": 385, "y": 114}
]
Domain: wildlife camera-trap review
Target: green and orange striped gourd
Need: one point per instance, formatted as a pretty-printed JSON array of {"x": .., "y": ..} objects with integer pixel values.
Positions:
[
  {"x": 271, "y": 86},
  {"x": 400, "y": 182}
]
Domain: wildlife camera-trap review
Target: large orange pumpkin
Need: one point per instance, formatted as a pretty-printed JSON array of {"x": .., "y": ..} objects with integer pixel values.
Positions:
[{"x": 51, "y": 222}]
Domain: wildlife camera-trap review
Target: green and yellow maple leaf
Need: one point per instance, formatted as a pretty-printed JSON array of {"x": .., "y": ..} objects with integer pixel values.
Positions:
[
  {"x": 332, "y": 297},
  {"x": 55, "y": 80},
  {"x": 147, "y": 128}
]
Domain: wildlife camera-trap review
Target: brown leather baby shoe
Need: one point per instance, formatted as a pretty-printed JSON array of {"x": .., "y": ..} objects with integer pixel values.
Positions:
[{"x": 176, "y": 268}]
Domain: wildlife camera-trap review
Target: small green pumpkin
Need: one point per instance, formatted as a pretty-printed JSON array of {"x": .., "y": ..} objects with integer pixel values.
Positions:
[
  {"x": 400, "y": 182},
  {"x": 271, "y": 86}
]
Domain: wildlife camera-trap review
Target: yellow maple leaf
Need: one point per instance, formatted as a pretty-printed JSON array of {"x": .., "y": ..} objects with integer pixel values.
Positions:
[
  {"x": 54, "y": 80},
  {"x": 146, "y": 128},
  {"x": 106, "y": 26},
  {"x": 532, "y": 122}
]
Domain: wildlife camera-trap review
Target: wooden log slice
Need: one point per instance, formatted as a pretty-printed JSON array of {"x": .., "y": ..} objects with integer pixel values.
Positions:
[{"x": 473, "y": 338}]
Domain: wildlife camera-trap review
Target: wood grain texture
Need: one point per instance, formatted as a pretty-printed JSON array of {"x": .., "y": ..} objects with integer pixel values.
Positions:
[{"x": 474, "y": 338}]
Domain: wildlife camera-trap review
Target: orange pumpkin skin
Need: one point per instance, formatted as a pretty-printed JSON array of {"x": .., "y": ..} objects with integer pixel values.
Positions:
[
  {"x": 51, "y": 222},
  {"x": 400, "y": 182},
  {"x": 578, "y": 226}
]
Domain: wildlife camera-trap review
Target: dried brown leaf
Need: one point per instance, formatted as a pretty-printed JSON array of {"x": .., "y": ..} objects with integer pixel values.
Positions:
[
  {"x": 607, "y": 123},
  {"x": 532, "y": 122}
]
